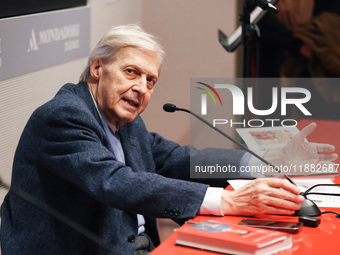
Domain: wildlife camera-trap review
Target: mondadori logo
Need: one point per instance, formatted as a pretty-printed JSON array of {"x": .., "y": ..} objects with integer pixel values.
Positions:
[
  {"x": 69, "y": 34},
  {"x": 279, "y": 96}
]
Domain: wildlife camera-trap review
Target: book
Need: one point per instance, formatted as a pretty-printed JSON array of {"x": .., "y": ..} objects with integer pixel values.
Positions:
[
  {"x": 232, "y": 239},
  {"x": 267, "y": 138}
]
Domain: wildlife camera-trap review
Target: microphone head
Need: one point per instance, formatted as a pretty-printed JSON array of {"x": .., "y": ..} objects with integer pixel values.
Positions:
[{"x": 169, "y": 107}]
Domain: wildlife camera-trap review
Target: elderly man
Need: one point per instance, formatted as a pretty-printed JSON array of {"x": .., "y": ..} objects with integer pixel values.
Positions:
[{"x": 87, "y": 154}]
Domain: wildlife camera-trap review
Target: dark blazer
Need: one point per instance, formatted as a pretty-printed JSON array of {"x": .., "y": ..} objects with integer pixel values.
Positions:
[{"x": 64, "y": 159}]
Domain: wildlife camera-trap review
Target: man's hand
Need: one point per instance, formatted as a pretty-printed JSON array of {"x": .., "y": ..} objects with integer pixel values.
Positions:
[
  {"x": 262, "y": 196},
  {"x": 298, "y": 152}
]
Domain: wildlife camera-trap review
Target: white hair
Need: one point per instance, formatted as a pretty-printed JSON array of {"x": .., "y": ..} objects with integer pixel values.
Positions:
[{"x": 119, "y": 37}]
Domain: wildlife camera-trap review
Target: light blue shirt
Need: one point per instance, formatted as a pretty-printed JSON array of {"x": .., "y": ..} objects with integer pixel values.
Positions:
[{"x": 112, "y": 134}]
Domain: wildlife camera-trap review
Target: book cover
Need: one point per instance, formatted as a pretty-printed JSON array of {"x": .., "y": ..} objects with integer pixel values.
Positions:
[
  {"x": 267, "y": 138},
  {"x": 233, "y": 239}
]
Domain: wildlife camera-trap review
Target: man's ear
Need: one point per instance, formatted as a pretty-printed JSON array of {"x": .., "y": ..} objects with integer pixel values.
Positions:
[{"x": 95, "y": 67}]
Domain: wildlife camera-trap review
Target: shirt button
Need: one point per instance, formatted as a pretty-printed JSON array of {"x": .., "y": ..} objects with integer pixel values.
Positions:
[{"x": 131, "y": 238}]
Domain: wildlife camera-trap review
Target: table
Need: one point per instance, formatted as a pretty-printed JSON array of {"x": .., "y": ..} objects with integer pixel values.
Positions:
[{"x": 321, "y": 240}]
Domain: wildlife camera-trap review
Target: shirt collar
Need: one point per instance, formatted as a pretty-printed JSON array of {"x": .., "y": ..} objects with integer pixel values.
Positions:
[{"x": 103, "y": 117}]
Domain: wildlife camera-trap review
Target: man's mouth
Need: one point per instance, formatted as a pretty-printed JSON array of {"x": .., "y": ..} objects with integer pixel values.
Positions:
[{"x": 131, "y": 102}]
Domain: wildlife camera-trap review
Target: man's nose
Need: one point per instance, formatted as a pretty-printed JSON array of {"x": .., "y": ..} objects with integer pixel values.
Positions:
[{"x": 141, "y": 85}]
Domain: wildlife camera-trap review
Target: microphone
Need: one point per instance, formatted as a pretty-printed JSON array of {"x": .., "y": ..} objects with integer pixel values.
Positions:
[
  {"x": 173, "y": 108},
  {"x": 170, "y": 108},
  {"x": 308, "y": 207},
  {"x": 61, "y": 217}
]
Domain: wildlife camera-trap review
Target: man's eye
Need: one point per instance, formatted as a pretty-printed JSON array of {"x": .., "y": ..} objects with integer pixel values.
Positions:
[
  {"x": 130, "y": 71},
  {"x": 151, "y": 83}
]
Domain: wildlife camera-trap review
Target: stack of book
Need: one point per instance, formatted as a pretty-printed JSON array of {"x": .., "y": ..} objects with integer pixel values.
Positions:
[{"x": 232, "y": 239}]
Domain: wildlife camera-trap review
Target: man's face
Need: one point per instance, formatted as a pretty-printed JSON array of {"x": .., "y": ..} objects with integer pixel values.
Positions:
[{"x": 125, "y": 85}]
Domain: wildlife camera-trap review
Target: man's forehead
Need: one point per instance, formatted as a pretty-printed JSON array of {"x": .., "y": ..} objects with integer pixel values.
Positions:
[
  {"x": 143, "y": 59},
  {"x": 137, "y": 52}
]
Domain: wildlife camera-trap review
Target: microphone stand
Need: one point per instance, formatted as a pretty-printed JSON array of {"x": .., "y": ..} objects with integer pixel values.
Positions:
[
  {"x": 308, "y": 207},
  {"x": 250, "y": 32},
  {"x": 248, "y": 18},
  {"x": 173, "y": 108},
  {"x": 247, "y": 32}
]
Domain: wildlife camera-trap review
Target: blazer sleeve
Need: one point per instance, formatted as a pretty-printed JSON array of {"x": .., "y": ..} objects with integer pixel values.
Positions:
[
  {"x": 180, "y": 162},
  {"x": 74, "y": 147}
]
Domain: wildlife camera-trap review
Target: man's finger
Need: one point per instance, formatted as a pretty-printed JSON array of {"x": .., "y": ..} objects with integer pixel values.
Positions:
[
  {"x": 283, "y": 203},
  {"x": 306, "y": 131},
  {"x": 323, "y": 147},
  {"x": 328, "y": 157},
  {"x": 284, "y": 184}
]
